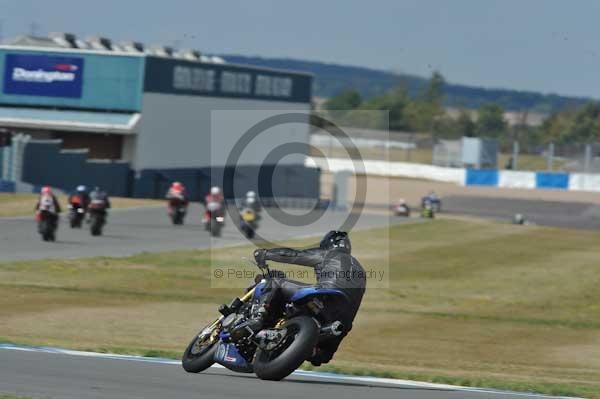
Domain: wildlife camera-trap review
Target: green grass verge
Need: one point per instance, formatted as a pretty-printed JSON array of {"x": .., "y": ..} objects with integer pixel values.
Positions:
[{"x": 20, "y": 204}]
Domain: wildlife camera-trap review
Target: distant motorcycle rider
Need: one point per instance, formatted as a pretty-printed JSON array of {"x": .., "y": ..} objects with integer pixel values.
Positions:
[
  {"x": 177, "y": 193},
  {"x": 214, "y": 202},
  {"x": 48, "y": 203},
  {"x": 250, "y": 201},
  {"x": 334, "y": 266},
  {"x": 80, "y": 198},
  {"x": 99, "y": 201}
]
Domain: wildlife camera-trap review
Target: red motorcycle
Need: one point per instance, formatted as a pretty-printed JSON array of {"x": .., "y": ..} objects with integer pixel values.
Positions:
[{"x": 214, "y": 218}]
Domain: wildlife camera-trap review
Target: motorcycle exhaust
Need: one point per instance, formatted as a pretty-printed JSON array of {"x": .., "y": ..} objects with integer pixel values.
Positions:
[{"x": 335, "y": 329}]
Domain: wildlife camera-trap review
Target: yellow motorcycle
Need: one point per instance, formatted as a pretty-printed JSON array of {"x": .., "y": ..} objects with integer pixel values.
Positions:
[{"x": 248, "y": 222}]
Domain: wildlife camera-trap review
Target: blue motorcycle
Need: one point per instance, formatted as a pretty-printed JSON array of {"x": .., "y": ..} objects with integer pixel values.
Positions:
[{"x": 306, "y": 318}]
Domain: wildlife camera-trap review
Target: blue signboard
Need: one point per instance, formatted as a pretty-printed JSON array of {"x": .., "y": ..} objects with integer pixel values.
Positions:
[{"x": 43, "y": 75}]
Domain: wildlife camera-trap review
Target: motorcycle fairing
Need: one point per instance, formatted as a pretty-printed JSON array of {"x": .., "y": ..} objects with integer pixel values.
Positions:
[
  {"x": 309, "y": 292},
  {"x": 228, "y": 356},
  {"x": 258, "y": 290}
]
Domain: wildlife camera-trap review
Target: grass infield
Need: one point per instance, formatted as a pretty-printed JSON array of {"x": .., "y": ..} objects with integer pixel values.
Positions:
[
  {"x": 23, "y": 204},
  {"x": 469, "y": 302}
]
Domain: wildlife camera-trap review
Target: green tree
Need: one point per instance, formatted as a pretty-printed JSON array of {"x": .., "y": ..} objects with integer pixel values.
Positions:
[
  {"x": 490, "y": 121},
  {"x": 434, "y": 91},
  {"x": 421, "y": 116},
  {"x": 395, "y": 102},
  {"x": 586, "y": 125},
  {"x": 464, "y": 124},
  {"x": 426, "y": 113},
  {"x": 573, "y": 125},
  {"x": 346, "y": 100}
]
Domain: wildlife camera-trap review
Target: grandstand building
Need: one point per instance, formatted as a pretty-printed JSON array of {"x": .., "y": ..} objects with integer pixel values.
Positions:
[{"x": 134, "y": 119}]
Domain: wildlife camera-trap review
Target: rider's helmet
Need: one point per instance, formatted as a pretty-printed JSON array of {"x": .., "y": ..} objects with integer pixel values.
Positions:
[
  {"x": 46, "y": 190},
  {"x": 177, "y": 186},
  {"x": 215, "y": 190},
  {"x": 81, "y": 188},
  {"x": 336, "y": 239},
  {"x": 401, "y": 201},
  {"x": 250, "y": 194}
]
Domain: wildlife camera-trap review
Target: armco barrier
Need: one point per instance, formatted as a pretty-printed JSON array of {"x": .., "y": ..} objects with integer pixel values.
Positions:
[
  {"x": 552, "y": 180},
  {"x": 481, "y": 177}
]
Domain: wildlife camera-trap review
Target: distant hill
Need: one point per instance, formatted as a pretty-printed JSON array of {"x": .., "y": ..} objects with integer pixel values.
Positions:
[{"x": 330, "y": 79}]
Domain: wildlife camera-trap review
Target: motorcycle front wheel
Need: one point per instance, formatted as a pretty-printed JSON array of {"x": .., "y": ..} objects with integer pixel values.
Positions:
[
  {"x": 215, "y": 228},
  {"x": 301, "y": 338},
  {"x": 199, "y": 355}
]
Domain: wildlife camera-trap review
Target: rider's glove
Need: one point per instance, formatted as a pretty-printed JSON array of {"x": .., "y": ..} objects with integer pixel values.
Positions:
[{"x": 259, "y": 256}]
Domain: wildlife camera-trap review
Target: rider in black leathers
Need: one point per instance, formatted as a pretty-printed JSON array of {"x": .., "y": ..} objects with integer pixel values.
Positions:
[
  {"x": 99, "y": 201},
  {"x": 334, "y": 267}
]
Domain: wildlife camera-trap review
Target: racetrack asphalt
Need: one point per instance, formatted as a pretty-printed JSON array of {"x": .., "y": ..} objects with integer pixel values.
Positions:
[
  {"x": 57, "y": 375},
  {"x": 131, "y": 231},
  {"x": 575, "y": 215}
]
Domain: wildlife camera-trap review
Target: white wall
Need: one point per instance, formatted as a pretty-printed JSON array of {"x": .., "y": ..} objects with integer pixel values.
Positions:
[
  {"x": 516, "y": 179},
  {"x": 584, "y": 182},
  {"x": 384, "y": 168},
  {"x": 176, "y": 130}
]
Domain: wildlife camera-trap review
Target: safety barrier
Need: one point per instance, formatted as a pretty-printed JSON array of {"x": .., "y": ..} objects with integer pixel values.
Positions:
[
  {"x": 584, "y": 182},
  {"x": 515, "y": 179},
  {"x": 467, "y": 177},
  {"x": 481, "y": 177},
  {"x": 384, "y": 168},
  {"x": 552, "y": 180}
]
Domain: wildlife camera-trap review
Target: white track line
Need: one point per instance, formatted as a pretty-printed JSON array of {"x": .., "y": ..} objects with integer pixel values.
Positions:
[{"x": 310, "y": 374}]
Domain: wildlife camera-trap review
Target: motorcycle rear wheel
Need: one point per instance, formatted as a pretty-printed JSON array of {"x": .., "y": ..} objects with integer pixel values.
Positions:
[
  {"x": 96, "y": 223},
  {"x": 301, "y": 338},
  {"x": 46, "y": 231}
]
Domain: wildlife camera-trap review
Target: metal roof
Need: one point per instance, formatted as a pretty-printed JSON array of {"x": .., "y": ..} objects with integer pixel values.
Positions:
[{"x": 81, "y": 121}]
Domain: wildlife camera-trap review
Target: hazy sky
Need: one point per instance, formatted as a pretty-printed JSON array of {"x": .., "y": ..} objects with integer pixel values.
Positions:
[{"x": 543, "y": 45}]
